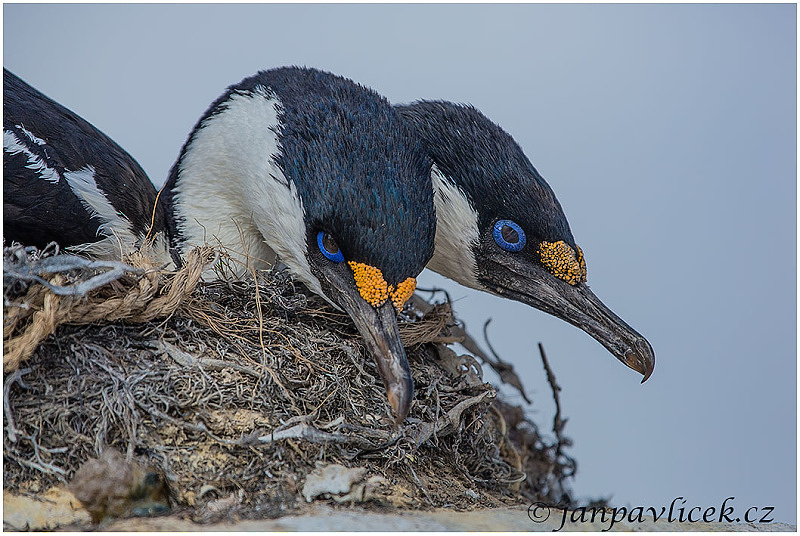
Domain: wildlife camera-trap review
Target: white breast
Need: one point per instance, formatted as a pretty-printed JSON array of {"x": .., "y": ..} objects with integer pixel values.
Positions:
[{"x": 230, "y": 192}]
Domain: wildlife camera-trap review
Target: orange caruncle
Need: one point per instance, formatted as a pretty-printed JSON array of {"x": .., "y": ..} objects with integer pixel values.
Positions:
[
  {"x": 563, "y": 262},
  {"x": 374, "y": 289},
  {"x": 403, "y": 292},
  {"x": 582, "y": 262},
  {"x": 370, "y": 283}
]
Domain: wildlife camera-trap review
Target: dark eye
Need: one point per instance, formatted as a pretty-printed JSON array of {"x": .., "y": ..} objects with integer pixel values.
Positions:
[
  {"x": 328, "y": 247},
  {"x": 508, "y": 235}
]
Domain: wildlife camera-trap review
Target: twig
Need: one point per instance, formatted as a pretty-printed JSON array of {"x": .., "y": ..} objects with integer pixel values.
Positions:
[
  {"x": 274, "y": 376},
  {"x": 309, "y": 433},
  {"x": 418, "y": 482},
  {"x": 449, "y": 423},
  {"x": 187, "y": 360},
  {"x": 43, "y": 465},
  {"x": 200, "y": 427},
  {"x": 432, "y": 291},
  {"x": 503, "y": 369},
  {"x": 63, "y": 263},
  {"x": 11, "y": 427},
  {"x": 558, "y": 422},
  {"x": 46, "y": 468}
]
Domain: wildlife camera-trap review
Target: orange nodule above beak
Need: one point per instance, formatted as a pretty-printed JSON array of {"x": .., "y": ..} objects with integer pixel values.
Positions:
[{"x": 375, "y": 290}]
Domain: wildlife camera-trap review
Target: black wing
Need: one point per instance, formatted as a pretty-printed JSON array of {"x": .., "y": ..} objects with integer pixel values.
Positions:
[{"x": 43, "y": 142}]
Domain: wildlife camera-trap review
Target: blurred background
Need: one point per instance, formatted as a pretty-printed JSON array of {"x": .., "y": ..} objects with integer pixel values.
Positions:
[{"x": 668, "y": 133}]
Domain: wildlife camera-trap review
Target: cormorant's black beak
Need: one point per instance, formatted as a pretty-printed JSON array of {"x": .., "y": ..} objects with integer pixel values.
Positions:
[
  {"x": 576, "y": 304},
  {"x": 378, "y": 328}
]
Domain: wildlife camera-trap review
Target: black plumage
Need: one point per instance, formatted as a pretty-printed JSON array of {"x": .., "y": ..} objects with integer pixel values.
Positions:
[{"x": 43, "y": 143}]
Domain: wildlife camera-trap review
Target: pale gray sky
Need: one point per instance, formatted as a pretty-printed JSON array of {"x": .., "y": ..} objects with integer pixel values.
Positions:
[{"x": 668, "y": 132}]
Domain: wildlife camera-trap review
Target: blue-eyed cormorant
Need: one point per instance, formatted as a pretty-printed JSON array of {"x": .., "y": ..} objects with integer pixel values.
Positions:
[
  {"x": 292, "y": 164},
  {"x": 501, "y": 228}
]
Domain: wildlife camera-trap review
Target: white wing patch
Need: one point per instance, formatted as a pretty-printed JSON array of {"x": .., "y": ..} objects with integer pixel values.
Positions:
[
  {"x": 33, "y": 137},
  {"x": 230, "y": 192},
  {"x": 456, "y": 232},
  {"x": 119, "y": 235},
  {"x": 12, "y": 145}
]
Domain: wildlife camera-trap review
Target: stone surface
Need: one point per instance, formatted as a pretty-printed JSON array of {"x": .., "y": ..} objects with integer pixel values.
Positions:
[
  {"x": 58, "y": 509},
  {"x": 54, "y": 508},
  {"x": 324, "y": 518}
]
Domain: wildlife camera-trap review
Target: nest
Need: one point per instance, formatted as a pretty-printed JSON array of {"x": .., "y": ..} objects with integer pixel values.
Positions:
[{"x": 234, "y": 392}]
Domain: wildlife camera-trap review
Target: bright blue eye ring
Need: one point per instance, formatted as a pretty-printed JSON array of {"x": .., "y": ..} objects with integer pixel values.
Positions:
[
  {"x": 335, "y": 257},
  {"x": 497, "y": 233}
]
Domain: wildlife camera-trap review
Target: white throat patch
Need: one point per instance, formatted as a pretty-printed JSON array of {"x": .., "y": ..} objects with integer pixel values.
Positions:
[
  {"x": 456, "y": 232},
  {"x": 230, "y": 192}
]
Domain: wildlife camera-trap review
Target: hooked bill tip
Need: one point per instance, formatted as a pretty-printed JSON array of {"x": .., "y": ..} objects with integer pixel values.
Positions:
[
  {"x": 400, "y": 399},
  {"x": 647, "y": 375},
  {"x": 642, "y": 361}
]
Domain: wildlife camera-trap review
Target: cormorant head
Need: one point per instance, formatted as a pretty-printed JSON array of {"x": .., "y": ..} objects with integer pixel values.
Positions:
[
  {"x": 501, "y": 229},
  {"x": 327, "y": 175}
]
